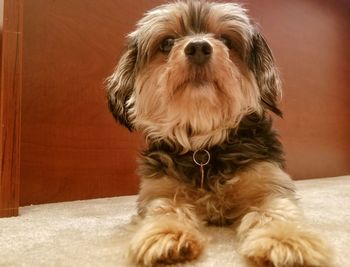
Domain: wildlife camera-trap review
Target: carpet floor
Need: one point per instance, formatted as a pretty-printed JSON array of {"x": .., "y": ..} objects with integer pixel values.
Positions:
[{"x": 93, "y": 232}]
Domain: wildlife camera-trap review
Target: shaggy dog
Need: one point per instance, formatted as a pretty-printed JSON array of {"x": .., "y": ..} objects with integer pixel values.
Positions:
[{"x": 199, "y": 81}]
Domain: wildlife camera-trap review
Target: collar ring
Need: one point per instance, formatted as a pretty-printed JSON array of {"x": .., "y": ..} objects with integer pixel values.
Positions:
[{"x": 195, "y": 159}]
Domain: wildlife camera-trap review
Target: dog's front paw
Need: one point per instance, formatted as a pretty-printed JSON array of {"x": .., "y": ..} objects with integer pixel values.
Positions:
[
  {"x": 165, "y": 242},
  {"x": 285, "y": 245}
]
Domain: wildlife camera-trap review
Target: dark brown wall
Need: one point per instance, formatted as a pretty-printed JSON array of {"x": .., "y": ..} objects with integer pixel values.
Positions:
[
  {"x": 310, "y": 39},
  {"x": 71, "y": 146}
]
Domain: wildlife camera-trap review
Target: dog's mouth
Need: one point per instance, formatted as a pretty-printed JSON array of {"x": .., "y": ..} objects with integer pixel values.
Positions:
[
  {"x": 197, "y": 85},
  {"x": 197, "y": 76}
]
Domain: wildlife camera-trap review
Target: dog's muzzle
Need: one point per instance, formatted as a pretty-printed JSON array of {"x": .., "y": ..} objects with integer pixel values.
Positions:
[{"x": 198, "y": 52}]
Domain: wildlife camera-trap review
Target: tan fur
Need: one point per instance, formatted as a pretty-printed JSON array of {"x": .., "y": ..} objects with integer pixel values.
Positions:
[
  {"x": 168, "y": 233},
  {"x": 249, "y": 188},
  {"x": 168, "y": 95},
  {"x": 258, "y": 202},
  {"x": 173, "y": 100},
  {"x": 169, "y": 99},
  {"x": 275, "y": 235}
]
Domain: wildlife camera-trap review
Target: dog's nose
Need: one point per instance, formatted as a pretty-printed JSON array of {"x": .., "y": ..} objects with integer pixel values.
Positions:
[{"x": 198, "y": 51}]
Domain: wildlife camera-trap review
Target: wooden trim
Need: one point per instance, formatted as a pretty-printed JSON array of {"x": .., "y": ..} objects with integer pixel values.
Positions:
[
  {"x": 10, "y": 107},
  {"x": 1, "y": 34}
]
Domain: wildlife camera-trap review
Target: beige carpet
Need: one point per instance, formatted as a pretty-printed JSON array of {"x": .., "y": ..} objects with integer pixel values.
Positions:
[{"x": 92, "y": 233}]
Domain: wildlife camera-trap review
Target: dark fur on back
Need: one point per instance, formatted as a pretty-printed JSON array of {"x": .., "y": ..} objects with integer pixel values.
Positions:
[{"x": 253, "y": 141}]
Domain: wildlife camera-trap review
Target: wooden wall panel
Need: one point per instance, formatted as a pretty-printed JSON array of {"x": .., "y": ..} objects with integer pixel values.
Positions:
[
  {"x": 1, "y": 31},
  {"x": 10, "y": 107},
  {"x": 310, "y": 39},
  {"x": 71, "y": 146}
]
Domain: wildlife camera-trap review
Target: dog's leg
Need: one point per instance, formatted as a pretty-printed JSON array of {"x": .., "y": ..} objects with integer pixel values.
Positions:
[
  {"x": 272, "y": 233},
  {"x": 167, "y": 231}
]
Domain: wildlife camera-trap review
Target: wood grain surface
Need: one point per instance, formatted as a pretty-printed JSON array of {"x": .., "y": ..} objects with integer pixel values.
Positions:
[{"x": 10, "y": 105}]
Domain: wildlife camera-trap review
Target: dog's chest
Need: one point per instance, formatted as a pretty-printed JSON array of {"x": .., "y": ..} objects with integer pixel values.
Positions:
[
  {"x": 216, "y": 208},
  {"x": 253, "y": 141}
]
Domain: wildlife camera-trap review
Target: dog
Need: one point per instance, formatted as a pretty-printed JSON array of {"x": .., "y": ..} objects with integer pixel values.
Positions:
[{"x": 199, "y": 81}]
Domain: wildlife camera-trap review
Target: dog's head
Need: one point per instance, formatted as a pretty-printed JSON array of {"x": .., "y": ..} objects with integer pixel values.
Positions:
[{"x": 192, "y": 70}]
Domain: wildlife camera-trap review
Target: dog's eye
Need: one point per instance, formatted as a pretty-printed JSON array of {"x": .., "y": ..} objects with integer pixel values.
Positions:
[
  {"x": 167, "y": 44},
  {"x": 226, "y": 40}
]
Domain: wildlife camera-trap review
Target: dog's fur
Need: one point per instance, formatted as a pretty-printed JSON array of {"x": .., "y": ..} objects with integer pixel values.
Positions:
[{"x": 221, "y": 106}]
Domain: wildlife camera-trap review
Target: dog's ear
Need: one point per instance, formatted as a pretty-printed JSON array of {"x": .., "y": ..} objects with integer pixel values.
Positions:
[
  {"x": 261, "y": 62},
  {"x": 120, "y": 86}
]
